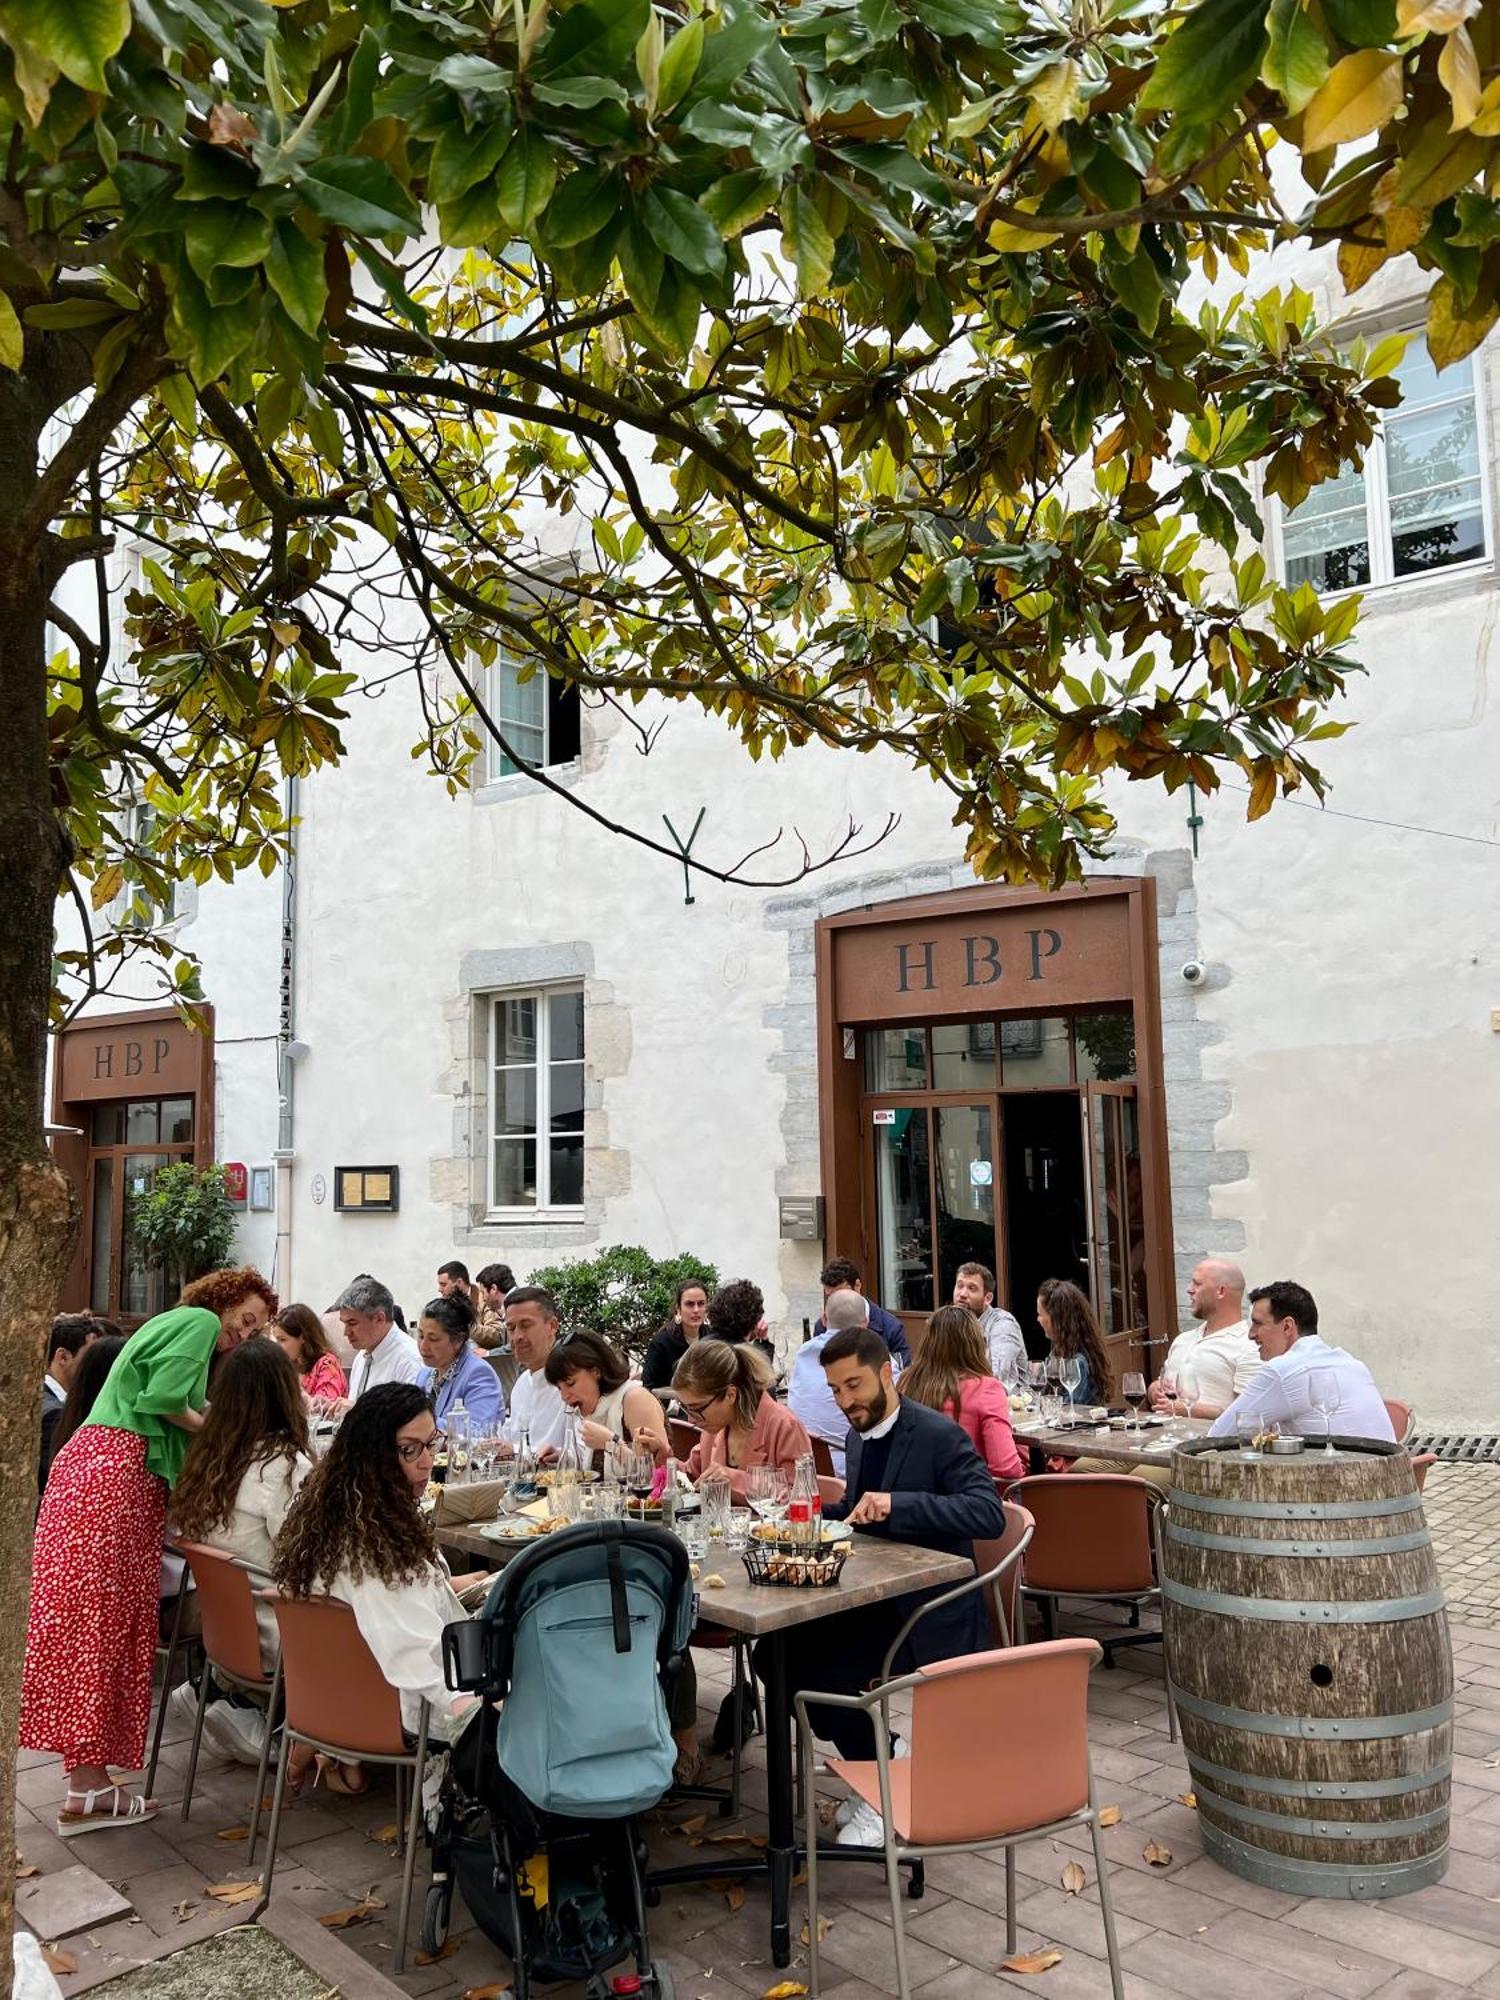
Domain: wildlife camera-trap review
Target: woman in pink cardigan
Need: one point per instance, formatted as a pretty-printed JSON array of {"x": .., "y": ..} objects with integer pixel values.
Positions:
[
  {"x": 723, "y": 1389},
  {"x": 952, "y": 1374}
]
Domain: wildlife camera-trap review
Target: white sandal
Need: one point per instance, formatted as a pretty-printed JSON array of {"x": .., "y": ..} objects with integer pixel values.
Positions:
[{"x": 137, "y": 1811}]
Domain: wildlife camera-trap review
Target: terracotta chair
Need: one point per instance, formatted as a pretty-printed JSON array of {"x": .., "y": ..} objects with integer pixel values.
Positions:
[
  {"x": 1002, "y": 1602},
  {"x": 823, "y": 1463},
  {"x": 1098, "y": 1537},
  {"x": 1421, "y": 1465},
  {"x": 682, "y": 1437},
  {"x": 231, "y": 1645},
  {"x": 965, "y": 1785},
  {"x": 183, "y": 1640},
  {"x": 830, "y": 1488},
  {"x": 352, "y": 1713},
  {"x": 1403, "y": 1418}
]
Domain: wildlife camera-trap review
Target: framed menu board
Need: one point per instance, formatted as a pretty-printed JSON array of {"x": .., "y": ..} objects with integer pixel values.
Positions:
[{"x": 367, "y": 1190}]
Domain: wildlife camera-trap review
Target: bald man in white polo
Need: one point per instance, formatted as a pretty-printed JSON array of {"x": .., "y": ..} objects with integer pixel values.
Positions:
[{"x": 1215, "y": 1360}]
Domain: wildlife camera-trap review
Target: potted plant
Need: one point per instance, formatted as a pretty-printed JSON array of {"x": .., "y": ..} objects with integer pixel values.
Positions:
[{"x": 185, "y": 1222}]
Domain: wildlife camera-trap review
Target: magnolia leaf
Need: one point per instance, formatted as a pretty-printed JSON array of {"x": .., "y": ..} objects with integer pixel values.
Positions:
[
  {"x": 734, "y": 1896},
  {"x": 294, "y": 271},
  {"x": 498, "y": 1989},
  {"x": 1296, "y": 58},
  {"x": 357, "y": 1913},
  {"x": 648, "y": 53},
  {"x": 445, "y": 1950},
  {"x": 789, "y": 1989},
  {"x": 233, "y": 1833},
  {"x": 1055, "y": 93},
  {"x": 582, "y": 205},
  {"x": 1452, "y": 334},
  {"x": 1434, "y": 17},
  {"x": 1262, "y": 798},
  {"x": 1189, "y": 1799},
  {"x": 1210, "y": 62},
  {"x": 806, "y": 241},
  {"x": 1015, "y": 236},
  {"x": 1154, "y": 1853},
  {"x": 77, "y": 38},
  {"x": 1487, "y": 124},
  {"x": 1110, "y": 1815},
  {"x": 679, "y": 64},
  {"x": 1358, "y": 263},
  {"x": 360, "y": 195},
  {"x": 527, "y": 176},
  {"x": 12, "y": 339},
  {"x": 825, "y": 1925},
  {"x": 1074, "y": 1880},
  {"x": 1031, "y": 1961},
  {"x": 1363, "y": 92},
  {"x": 1458, "y": 69},
  {"x": 58, "y": 1961},
  {"x": 733, "y": 203},
  {"x": 234, "y": 1892},
  {"x": 682, "y": 230}
]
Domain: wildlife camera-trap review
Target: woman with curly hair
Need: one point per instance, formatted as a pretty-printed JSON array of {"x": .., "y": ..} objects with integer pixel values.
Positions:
[
  {"x": 356, "y": 1532},
  {"x": 1066, "y": 1317},
  {"x": 96, "y": 1563},
  {"x": 301, "y": 1336}
]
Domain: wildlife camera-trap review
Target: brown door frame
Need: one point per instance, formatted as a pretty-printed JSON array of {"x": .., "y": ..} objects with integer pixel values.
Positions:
[{"x": 850, "y": 1217}]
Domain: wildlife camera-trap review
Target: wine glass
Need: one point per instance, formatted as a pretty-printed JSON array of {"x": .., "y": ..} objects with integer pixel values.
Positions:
[
  {"x": 1324, "y": 1396},
  {"x": 1133, "y": 1389},
  {"x": 640, "y": 1475},
  {"x": 1246, "y": 1428},
  {"x": 1052, "y": 1412},
  {"x": 767, "y": 1490},
  {"x": 1070, "y": 1374}
]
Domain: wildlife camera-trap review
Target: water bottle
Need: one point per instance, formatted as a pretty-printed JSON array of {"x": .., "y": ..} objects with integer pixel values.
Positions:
[
  {"x": 523, "y": 1486},
  {"x": 570, "y": 1460},
  {"x": 805, "y": 1510},
  {"x": 457, "y": 1427}
]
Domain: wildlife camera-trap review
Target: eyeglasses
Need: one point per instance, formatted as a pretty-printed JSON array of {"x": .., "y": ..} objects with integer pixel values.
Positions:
[
  {"x": 412, "y": 1450},
  {"x": 698, "y": 1411}
]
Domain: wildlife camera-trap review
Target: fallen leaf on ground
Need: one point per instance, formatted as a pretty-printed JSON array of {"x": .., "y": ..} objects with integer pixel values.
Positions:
[
  {"x": 799, "y": 1880},
  {"x": 63, "y": 1962},
  {"x": 496, "y": 1990},
  {"x": 1074, "y": 1880},
  {"x": 183, "y": 1910},
  {"x": 825, "y": 1925},
  {"x": 445, "y": 1950},
  {"x": 734, "y": 1896},
  {"x": 1157, "y": 1855},
  {"x": 1110, "y": 1815},
  {"x": 1347, "y": 1967},
  {"x": 789, "y": 1989},
  {"x": 388, "y": 1836},
  {"x": 24, "y": 1870},
  {"x": 1188, "y": 1799},
  {"x": 1031, "y": 1961},
  {"x": 233, "y": 1833},
  {"x": 234, "y": 1892},
  {"x": 357, "y": 1913},
  {"x": 694, "y": 1825}
]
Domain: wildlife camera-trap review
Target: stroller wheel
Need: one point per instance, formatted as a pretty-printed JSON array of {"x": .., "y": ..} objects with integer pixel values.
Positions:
[
  {"x": 662, "y": 1980},
  {"x": 650, "y": 1896},
  {"x": 435, "y": 1918}
]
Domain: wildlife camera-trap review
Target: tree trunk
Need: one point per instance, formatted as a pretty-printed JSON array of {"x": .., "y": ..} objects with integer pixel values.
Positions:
[{"x": 38, "y": 1205}]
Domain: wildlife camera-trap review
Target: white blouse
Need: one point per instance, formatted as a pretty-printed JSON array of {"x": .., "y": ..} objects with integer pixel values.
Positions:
[
  {"x": 402, "y": 1624},
  {"x": 260, "y": 1508}
]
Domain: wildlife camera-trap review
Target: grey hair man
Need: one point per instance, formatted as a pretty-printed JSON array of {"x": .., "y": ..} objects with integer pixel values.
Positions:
[
  {"x": 382, "y": 1352},
  {"x": 808, "y": 1395}
]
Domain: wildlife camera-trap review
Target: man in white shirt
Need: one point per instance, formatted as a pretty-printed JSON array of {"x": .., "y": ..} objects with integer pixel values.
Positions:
[
  {"x": 382, "y": 1352},
  {"x": 536, "y": 1407},
  {"x": 808, "y": 1396},
  {"x": 974, "y": 1288},
  {"x": 1216, "y": 1360},
  {"x": 1300, "y": 1368}
]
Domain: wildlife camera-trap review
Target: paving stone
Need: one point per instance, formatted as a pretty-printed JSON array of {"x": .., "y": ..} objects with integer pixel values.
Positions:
[
  {"x": 1319, "y": 1965},
  {"x": 74, "y": 1899},
  {"x": 1188, "y": 1965},
  {"x": 1399, "y": 1939},
  {"x": 1419, "y": 1986},
  {"x": 1076, "y": 1921}
]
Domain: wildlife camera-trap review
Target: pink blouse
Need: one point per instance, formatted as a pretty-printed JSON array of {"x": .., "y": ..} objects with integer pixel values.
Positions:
[
  {"x": 325, "y": 1379},
  {"x": 776, "y": 1438},
  {"x": 984, "y": 1414}
]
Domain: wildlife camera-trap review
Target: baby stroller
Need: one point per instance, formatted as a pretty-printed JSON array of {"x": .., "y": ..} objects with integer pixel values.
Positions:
[{"x": 537, "y": 1819}]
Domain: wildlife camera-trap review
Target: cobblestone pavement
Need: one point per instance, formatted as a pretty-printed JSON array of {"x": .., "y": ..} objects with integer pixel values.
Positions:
[
  {"x": 1186, "y": 1928},
  {"x": 1462, "y": 1504}
]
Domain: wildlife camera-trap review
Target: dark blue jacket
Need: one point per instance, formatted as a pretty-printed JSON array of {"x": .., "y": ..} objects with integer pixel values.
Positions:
[
  {"x": 890, "y": 1329},
  {"x": 942, "y": 1497}
]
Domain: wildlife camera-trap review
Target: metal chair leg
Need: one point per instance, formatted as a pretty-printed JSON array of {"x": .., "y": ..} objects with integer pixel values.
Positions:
[
  {"x": 192, "y": 1769},
  {"x": 413, "y": 1827},
  {"x": 737, "y": 1753},
  {"x": 1107, "y": 1908},
  {"x": 898, "y": 1921},
  {"x": 265, "y": 1760},
  {"x": 400, "y": 1807},
  {"x": 274, "y": 1836},
  {"x": 1010, "y": 1899},
  {"x": 803, "y": 1750},
  {"x": 166, "y": 1681}
]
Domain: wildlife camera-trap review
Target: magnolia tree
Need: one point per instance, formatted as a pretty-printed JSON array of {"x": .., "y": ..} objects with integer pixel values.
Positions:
[{"x": 848, "y": 332}]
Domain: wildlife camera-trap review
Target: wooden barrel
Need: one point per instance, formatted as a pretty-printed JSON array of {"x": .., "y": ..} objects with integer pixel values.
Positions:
[{"x": 1308, "y": 1652}]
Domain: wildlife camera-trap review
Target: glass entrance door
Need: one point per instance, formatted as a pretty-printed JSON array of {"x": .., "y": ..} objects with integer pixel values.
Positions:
[
  {"x": 129, "y": 1142},
  {"x": 934, "y": 1207},
  {"x": 1117, "y": 1229}
]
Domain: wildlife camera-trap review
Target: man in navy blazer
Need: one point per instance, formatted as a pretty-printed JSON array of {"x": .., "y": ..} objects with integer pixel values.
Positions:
[{"x": 913, "y": 1476}]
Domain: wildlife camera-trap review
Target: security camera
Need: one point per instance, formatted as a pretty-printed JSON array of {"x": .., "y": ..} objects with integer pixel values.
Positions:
[{"x": 1195, "y": 972}]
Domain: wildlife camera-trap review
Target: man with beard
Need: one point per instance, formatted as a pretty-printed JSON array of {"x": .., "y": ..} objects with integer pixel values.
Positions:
[{"x": 913, "y": 1476}]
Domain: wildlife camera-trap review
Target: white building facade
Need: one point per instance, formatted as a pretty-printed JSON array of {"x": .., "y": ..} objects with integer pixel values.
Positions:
[{"x": 515, "y": 1039}]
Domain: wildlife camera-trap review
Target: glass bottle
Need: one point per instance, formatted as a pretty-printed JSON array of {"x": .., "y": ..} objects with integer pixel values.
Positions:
[
  {"x": 805, "y": 1512},
  {"x": 570, "y": 1460},
  {"x": 457, "y": 1427},
  {"x": 524, "y": 1488}
]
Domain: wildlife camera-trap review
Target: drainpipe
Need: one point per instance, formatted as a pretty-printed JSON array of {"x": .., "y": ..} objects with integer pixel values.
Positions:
[{"x": 287, "y": 1050}]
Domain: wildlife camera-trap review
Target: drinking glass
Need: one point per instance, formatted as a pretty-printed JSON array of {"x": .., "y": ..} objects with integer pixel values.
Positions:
[
  {"x": 609, "y": 1499},
  {"x": 1070, "y": 1374},
  {"x": 640, "y": 1474},
  {"x": 767, "y": 1491},
  {"x": 1246, "y": 1425},
  {"x": 1323, "y": 1394},
  {"x": 1133, "y": 1389},
  {"x": 717, "y": 1502}
]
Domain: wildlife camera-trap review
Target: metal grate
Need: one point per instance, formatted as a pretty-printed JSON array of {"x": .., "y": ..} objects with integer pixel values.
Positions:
[{"x": 1458, "y": 1449}]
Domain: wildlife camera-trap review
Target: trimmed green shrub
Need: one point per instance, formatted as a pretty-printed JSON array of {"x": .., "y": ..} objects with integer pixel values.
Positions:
[{"x": 624, "y": 1293}]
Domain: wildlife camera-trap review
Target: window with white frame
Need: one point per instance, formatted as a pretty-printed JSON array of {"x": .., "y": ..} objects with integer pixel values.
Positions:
[
  {"x": 536, "y": 1100},
  {"x": 133, "y": 908},
  {"x": 538, "y": 717},
  {"x": 1418, "y": 504}
]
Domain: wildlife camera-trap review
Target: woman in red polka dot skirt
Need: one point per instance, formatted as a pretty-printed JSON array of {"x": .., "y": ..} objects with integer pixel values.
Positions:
[{"x": 96, "y": 1567}]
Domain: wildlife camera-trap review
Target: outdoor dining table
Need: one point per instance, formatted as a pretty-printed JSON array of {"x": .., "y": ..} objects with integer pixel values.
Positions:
[
  {"x": 876, "y": 1572},
  {"x": 1150, "y": 1445}
]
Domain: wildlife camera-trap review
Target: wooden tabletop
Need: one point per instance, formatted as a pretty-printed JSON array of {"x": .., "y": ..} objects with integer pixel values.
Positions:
[
  {"x": 876, "y": 1570},
  {"x": 1131, "y": 1447}
]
